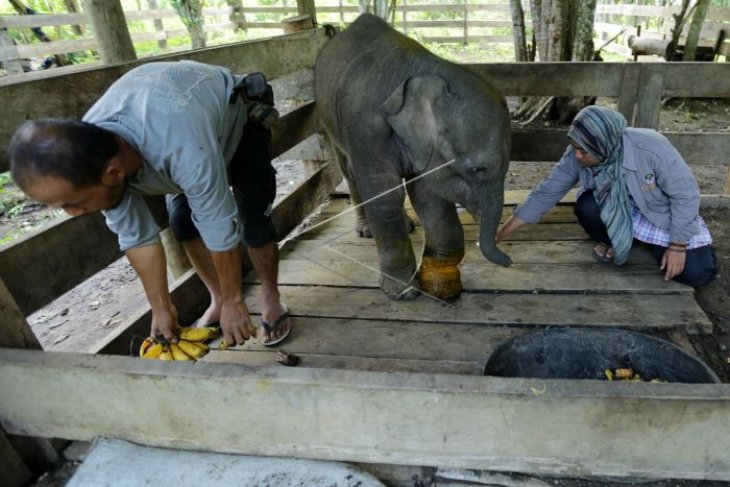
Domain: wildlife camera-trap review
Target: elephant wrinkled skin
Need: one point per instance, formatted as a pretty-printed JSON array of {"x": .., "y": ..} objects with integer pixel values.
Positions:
[{"x": 395, "y": 111}]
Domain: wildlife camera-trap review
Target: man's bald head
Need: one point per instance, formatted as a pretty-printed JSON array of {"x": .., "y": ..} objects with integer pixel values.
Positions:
[{"x": 74, "y": 151}]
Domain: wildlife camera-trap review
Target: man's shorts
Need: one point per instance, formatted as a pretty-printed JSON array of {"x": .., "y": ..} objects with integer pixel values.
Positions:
[{"x": 253, "y": 179}]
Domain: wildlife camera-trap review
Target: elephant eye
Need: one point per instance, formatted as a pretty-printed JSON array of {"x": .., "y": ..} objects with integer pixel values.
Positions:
[{"x": 479, "y": 171}]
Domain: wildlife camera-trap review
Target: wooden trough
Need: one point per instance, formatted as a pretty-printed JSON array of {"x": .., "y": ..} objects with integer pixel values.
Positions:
[{"x": 380, "y": 382}]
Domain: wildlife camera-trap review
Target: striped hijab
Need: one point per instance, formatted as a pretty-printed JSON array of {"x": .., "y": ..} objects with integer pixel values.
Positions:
[{"x": 599, "y": 130}]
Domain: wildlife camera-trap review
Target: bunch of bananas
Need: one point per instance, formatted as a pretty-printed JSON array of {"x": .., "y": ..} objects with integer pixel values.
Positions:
[{"x": 190, "y": 345}]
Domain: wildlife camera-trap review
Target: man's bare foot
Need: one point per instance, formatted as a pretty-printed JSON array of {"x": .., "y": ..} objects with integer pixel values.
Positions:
[{"x": 210, "y": 316}]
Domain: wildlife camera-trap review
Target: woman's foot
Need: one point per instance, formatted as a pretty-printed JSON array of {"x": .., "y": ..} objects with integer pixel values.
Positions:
[{"x": 603, "y": 253}]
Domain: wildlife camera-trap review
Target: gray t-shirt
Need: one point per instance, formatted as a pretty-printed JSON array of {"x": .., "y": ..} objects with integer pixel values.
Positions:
[{"x": 179, "y": 117}]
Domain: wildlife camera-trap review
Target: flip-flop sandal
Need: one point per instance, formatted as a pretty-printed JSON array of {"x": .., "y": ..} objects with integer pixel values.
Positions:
[
  {"x": 605, "y": 258},
  {"x": 275, "y": 326}
]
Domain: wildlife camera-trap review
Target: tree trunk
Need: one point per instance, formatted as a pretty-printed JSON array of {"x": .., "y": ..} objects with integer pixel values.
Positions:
[
  {"x": 583, "y": 48},
  {"x": 518, "y": 30},
  {"x": 191, "y": 14},
  {"x": 110, "y": 30},
  {"x": 535, "y": 8},
  {"x": 563, "y": 31},
  {"x": 679, "y": 20},
  {"x": 693, "y": 36}
]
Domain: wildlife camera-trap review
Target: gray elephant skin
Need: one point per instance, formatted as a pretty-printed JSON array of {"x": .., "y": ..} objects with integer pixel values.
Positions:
[{"x": 396, "y": 112}]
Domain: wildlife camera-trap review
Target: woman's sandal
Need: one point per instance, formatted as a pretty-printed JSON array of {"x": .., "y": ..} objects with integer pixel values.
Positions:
[{"x": 603, "y": 253}]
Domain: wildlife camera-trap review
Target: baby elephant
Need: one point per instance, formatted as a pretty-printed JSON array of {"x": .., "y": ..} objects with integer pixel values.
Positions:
[{"x": 395, "y": 111}]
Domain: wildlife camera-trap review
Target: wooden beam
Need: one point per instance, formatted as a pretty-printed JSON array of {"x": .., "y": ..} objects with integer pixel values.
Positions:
[
  {"x": 473, "y": 422},
  {"x": 292, "y": 210},
  {"x": 71, "y": 95},
  {"x": 53, "y": 259},
  {"x": 602, "y": 79},
  {"x": 711, "y": 148}
]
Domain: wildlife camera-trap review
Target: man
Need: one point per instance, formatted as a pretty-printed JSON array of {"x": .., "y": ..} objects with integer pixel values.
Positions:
[{"x": 179, "y": 129}]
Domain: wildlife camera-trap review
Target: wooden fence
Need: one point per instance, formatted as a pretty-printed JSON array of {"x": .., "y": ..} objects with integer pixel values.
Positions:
[
  {"x": 656, "y": 23},
  {"x": 463, "y": 23}
]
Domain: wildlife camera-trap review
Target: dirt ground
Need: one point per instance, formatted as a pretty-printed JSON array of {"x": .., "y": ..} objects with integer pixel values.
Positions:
[{"x": 86, "y": 314}]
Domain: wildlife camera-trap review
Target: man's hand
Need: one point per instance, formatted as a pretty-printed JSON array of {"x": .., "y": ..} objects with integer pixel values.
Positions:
[
  {"x": 164, "y": 323},
  {"x": 236, "y": 323},
  {"x": 673, "y": 263}
]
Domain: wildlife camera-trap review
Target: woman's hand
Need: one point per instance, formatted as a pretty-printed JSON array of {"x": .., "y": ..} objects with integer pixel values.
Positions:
[
  {"x": 512, "y": 224},
  {"x": 673, "y": 261}
]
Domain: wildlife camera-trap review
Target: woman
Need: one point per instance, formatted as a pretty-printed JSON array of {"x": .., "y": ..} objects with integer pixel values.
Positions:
[{"x": 633, "y": 185}]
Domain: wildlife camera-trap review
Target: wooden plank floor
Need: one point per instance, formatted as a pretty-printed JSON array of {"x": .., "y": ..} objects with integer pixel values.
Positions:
[{"x": 329, "y": 279}]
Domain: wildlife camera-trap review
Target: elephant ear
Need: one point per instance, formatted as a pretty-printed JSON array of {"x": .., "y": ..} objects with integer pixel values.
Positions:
[{"x": 411, "y": 111}]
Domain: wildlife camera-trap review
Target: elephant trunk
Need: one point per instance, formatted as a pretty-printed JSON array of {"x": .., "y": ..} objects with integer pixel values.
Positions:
[{"x": 491, "y": 211}]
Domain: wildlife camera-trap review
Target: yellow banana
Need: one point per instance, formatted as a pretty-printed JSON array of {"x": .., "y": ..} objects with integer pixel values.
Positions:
[
  {"x": 166, "y": 353},
  {"x": 199, "y": 334},
  {"x": 178, "y": 354},
  {"x": 194, "y": 349},
  {"x": 146, "y": 344},
  {"x": 153, "y": 351}
]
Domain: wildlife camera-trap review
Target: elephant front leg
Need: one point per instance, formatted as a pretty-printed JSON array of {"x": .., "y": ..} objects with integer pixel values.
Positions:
[
  {"x": 443, "y": 250},
  {"x": 398, "y": 277}
]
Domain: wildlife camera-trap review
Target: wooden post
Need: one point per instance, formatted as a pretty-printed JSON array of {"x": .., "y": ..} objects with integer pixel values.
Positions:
[
  {"x": 16, "y": 331},
  {"x": 20, "y": 454},
  {"x": 237, "y": 15},
  {"x": 629, "y": 91},
  {"x": 306, "y": 7},
  {"x": 110, "y": 29},
  {"x": 296, "y": 24},
  {"x": 405, "y": 17},
  {"x": 466, "y": 23},
  {"x": 13, "y": 470},
  {"x": 159, "y": 27},
  {"x": 177, "y": 259},
  {"x": 651, "y": 86},
  {"x": 8, "y": 52},
  {"x": 342, "y": 13}
]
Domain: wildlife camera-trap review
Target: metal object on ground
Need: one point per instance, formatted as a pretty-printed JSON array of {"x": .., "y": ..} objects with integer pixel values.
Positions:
[{"x": 584, "y": 353}]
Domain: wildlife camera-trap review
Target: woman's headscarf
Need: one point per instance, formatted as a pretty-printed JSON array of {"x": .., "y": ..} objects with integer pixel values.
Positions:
[{"x": 599, "y": 131}]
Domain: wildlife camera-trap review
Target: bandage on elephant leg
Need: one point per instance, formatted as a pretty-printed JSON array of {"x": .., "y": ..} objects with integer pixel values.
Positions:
[{"x": 441, "y": 277}]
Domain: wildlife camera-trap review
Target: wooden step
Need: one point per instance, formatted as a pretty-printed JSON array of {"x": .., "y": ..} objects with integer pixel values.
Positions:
[{"x": 631, "y": 311}]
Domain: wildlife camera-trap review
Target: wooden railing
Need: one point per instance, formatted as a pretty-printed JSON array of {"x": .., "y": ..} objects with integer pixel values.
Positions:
[
  {"x": 656, "y": 22},
  {"x": 484, "y": 22}
]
